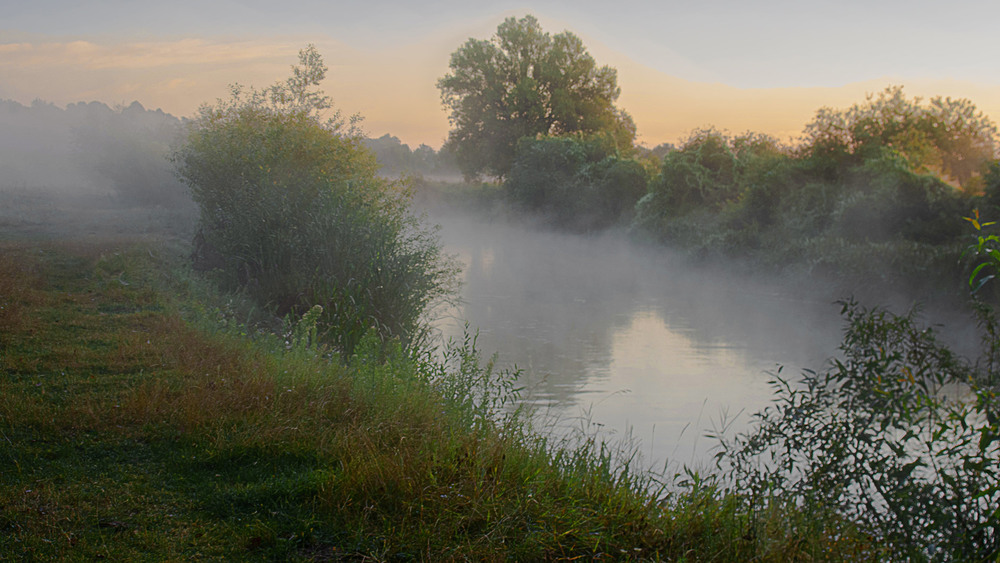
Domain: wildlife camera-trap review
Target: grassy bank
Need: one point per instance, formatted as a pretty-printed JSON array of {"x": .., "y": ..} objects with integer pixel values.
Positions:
[{"x": 140, "y": 421}]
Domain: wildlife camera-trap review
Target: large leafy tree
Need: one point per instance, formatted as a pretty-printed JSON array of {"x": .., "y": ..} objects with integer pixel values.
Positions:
[
  {"x": 524, "y": 82},
  {"x": 950, "y": 138}
]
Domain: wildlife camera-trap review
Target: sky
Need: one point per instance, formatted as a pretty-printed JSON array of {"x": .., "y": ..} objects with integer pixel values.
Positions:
[{"x": 763, "y": 66}]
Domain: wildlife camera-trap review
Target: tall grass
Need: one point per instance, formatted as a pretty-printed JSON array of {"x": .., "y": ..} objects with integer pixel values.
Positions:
[{"x": 139, "y": 427}]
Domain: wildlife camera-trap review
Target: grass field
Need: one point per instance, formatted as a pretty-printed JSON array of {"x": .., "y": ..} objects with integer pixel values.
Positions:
[{"x": 141, "y": 419}]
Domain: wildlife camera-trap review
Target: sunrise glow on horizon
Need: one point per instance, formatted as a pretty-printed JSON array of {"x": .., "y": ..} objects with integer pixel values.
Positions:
[{"x": 387, "y": 71}]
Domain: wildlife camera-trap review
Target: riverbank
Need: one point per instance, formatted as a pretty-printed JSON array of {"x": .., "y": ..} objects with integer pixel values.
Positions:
[{"x": 143, "y": 421}]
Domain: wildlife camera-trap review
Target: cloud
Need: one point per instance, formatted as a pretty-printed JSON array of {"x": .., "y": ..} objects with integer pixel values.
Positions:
[
  {"x": 175, "y": 74},
  {"x": 142, "y": 55}
]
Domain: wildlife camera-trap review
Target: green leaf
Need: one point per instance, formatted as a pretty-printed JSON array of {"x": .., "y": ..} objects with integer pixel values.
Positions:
[{"x": 982, "y": 282}]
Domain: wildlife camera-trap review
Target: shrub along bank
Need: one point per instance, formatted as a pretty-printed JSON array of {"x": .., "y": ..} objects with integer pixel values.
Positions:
[{"x": 294, "y": 214}]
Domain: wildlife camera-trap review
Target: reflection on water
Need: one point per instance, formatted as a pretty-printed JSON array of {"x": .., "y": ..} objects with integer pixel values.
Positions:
[{"x": 630, "y": 339}]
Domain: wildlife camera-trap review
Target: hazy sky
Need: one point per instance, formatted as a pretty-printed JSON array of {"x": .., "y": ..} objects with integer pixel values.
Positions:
[{"x": 739, "y": 65}]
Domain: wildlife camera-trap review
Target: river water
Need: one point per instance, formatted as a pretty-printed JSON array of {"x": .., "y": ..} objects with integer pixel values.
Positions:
[{"x": 628, "y": 340}]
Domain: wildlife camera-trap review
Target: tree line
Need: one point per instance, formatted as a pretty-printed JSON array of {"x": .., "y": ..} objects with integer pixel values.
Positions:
[
  {"x": 892, "y": 170},
  {"x": 395, "y": 158},
  {"x": 91, "y": 148},
  {"x": 297, "y": 212}
]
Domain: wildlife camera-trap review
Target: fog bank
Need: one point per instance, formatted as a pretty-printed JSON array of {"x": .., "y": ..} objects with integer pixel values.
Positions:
[{"x": 639, "y": 340}]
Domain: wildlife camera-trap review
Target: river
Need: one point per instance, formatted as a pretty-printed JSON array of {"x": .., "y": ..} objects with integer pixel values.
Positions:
[{"x": 630, "y": 341}]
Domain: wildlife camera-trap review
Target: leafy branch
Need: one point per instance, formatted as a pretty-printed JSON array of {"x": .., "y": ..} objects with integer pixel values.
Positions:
[{"x": 987, "y": 247}]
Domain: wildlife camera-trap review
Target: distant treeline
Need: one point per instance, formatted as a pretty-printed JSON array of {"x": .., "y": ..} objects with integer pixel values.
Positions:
[
  {"x": 91, "y": 148},
  {"x": 124, "y": 150},
  {"x": 396, "y": 159}
]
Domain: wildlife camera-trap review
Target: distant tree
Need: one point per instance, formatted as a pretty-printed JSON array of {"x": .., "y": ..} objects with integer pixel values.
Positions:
[
  {"x": 965, "y": 138},
  {"x": 90, "y": 148},
  {"x": 396, "y": 159},
  {"x": 659, "y": 151},
  {"x": 950, "y": 138},
  {"x": 127, "y": 148},
  {"x": 522, "y": 83},
  {"x": 425, "y": 159}
]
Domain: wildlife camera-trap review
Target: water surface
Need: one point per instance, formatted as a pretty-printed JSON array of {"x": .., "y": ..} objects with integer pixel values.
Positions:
[{"x": 629, "y": 339}]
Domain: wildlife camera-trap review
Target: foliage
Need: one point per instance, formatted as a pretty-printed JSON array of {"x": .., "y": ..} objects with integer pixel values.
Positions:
[
  {"x": 522, "y": 83},
  {"x": 576, "y": 183},
  {"x": 479, "y": 393},
  {"x": 294, "y": 214},
  {"x": 396, "y": 159},
  {"x": 88, "y": 149},
  {"x": 144, "y": 422},
  {"x": 884, "y": 199},
  {"x": 991, "y": 188},
  {"x": 987, "y": 248},
  {"x": 899, "y": 436},
  {"x": 128, "y": 149},
  {"x": 751, "y": 197},
  {"x": 873, "y": 175},
  {"x": 947, "y": 137},
  {"x": 545, "y": 171},
  {"x": 703, "y": 172},
  {"x": 710, "y": 170}
]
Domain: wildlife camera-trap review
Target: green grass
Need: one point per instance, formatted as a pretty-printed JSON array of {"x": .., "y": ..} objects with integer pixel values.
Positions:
[{"x": 134, "y": 425}]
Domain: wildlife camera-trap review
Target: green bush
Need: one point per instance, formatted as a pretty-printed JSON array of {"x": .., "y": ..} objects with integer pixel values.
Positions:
[
  {"x": 736, "y": 183},
  {"x": 751, "y": 197},
  {"x": 883, "y": 199},
  {"x": 703, "y": 172},
  {"x": 294, "y": 214},
  {"x": 712, "y": 170},
  {"x": 616, "y": 185},
  {"x": 545, "y": 175},
  {"x": 991, "y": 189},
  {"x": 580, "y": 184},
  {"x": 899, "y": 436}
]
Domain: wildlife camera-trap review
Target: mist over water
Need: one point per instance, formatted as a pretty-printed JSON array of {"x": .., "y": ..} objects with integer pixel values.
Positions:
[
  {"x": 630, "y": 338},
  {"x": 604, "y": 331}
]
